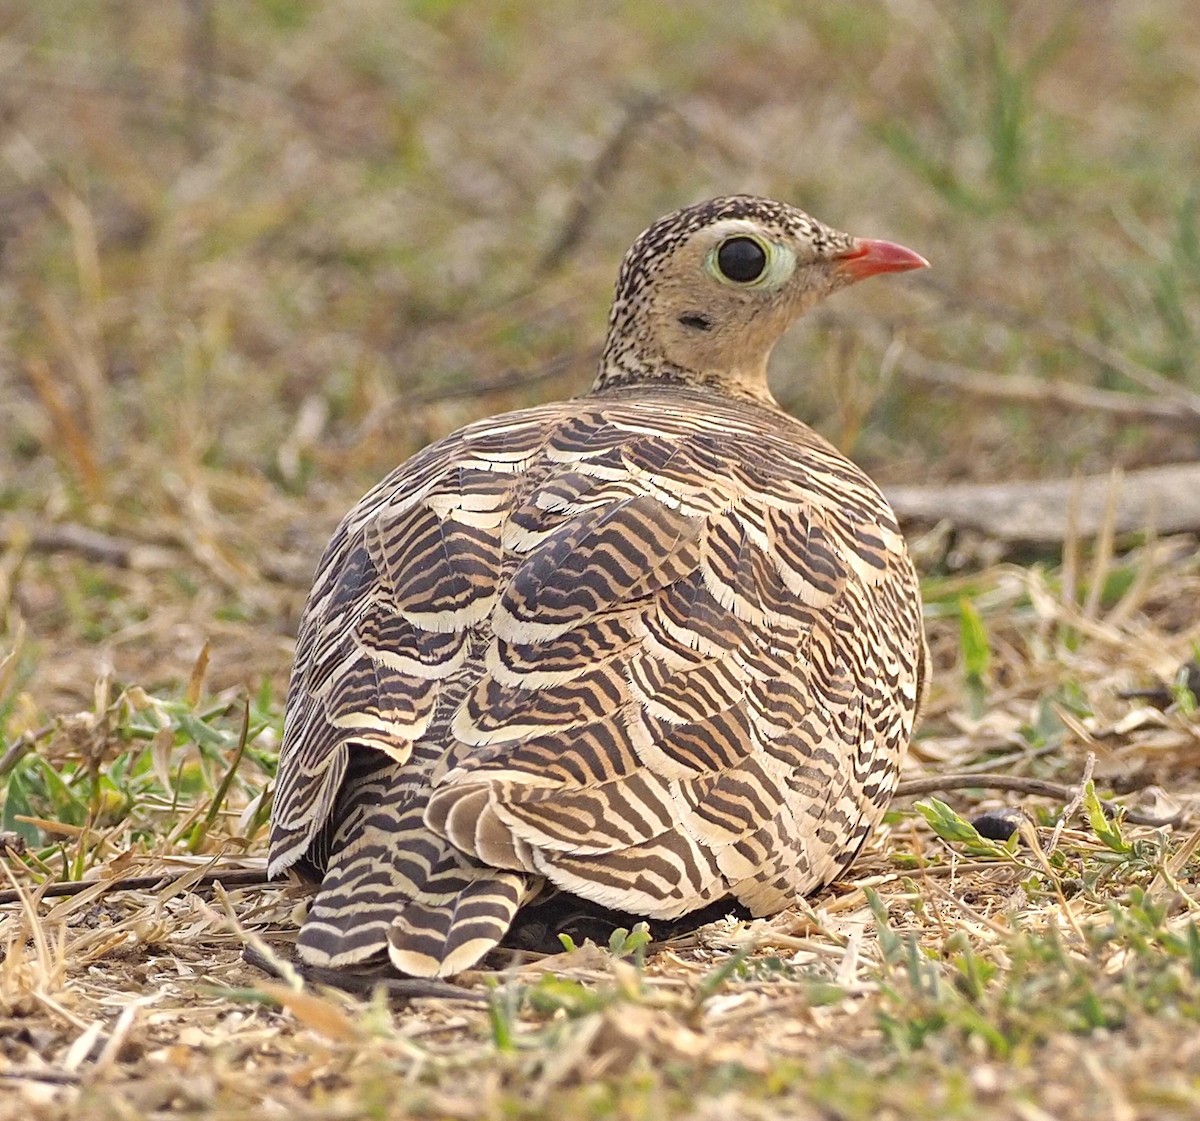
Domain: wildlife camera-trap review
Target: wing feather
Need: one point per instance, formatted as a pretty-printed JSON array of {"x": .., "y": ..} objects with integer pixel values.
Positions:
[{"x": 655, "y": 656}]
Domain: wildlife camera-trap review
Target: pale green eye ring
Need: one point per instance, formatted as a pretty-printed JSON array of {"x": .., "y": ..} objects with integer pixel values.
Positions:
[{"x": 746, "y": 261}]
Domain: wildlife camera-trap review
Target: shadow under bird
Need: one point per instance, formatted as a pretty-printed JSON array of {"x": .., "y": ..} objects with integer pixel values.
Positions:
[{"x": 657, "y": 646}]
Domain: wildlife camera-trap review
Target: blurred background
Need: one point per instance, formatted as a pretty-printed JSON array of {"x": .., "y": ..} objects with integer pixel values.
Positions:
[{"x": 253, "y": 253}]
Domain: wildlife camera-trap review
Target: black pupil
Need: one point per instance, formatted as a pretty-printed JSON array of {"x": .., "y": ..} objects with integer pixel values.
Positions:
[{"x": 741, "y": 259}]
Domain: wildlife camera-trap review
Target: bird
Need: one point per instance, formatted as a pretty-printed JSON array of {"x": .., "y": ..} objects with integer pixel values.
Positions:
[{"x": 657, "y": 646}]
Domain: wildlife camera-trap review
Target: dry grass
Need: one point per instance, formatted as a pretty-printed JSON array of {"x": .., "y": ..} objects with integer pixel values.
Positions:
[{"x": 252, "y": 255}]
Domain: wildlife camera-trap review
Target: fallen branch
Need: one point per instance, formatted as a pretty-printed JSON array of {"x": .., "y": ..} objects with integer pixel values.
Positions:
[{"x": 1163, "y": 499}]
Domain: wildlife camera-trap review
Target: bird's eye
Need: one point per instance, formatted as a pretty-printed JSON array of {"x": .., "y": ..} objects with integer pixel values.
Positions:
[
  {"x": 741, "y": 259},
  {"x": 746, "y": 260}
]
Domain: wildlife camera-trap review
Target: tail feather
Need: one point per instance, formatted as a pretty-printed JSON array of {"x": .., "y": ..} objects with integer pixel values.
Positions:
[
  {"x": 439, "y": 940},
  {"x": 438, "y": 934},
  {"x": 392, "y": 888}
]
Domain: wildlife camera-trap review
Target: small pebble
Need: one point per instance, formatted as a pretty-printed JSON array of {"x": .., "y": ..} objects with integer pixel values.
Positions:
[{"x": 998, "y": 825}]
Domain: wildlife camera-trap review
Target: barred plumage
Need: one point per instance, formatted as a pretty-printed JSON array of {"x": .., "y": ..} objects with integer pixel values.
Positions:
[{"x": 657, "y": 646}]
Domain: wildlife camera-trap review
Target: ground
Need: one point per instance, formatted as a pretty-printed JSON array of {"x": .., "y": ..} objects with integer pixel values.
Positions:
[{"x": 253, "y": 254}]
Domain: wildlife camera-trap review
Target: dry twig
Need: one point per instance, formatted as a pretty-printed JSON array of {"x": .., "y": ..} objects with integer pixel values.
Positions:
[
  {"x": 1027, "y": 390},
  {"x": 237, "y": 878},
  {"x": 1072, "y": 807},
  {"x": 640, "y": 112},
  {"x": 1134, "y": 372},
  {"x": 91, "y": 544},
  {"x": 913, "y": 787}
]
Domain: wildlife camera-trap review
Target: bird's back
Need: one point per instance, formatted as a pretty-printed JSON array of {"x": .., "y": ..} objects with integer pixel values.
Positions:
[{"x": 656, "y": 646}]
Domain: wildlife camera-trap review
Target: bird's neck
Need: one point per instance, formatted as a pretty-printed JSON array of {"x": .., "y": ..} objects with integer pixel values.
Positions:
[{"x": 626, "y": 366}]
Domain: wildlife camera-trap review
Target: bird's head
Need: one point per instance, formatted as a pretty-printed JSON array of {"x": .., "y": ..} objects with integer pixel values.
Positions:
[{"x": 705, "y": 293}]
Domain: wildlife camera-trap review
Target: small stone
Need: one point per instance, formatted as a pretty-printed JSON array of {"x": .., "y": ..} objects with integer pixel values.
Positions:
[{"x": 999, "y": 825}]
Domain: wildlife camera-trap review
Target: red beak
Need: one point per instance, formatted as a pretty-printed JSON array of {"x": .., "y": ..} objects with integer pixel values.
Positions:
[{"x": 869, "y": 258}]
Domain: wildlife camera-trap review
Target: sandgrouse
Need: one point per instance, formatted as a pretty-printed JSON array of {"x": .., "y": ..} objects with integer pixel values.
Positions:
[{"x": 657, "y": 646}]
